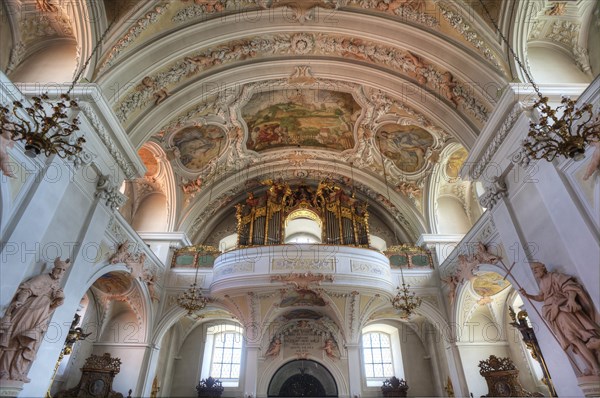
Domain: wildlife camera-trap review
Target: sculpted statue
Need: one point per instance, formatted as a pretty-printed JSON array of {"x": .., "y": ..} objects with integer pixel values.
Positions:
[
  {"x": 594, "y": 164},
  {"x": 5, "y": 142},
  {"x": 484, "y": 256},
  {"x": 121, "y": 255},
  {"x": 23, "y": 325},
  {"x": 452, "y": 281},
  {"x": 330, "y": 349},
  {"x": 570, "y": 314}
]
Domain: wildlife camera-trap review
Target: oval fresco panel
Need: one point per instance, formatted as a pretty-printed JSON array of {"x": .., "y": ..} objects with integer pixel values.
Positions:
[
  {"x": 114, "y": 283},
  {"x": 455, "y": 162},
  {"x": 308, "y": 118},
  {"x": 199, "y": 145},
  {"x": 404, "y": 145},
  {"x": 488, "y": 284}
]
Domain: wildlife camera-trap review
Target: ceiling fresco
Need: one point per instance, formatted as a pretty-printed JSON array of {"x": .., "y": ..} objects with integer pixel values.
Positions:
[
  {"x": 306, "y": 117},
  {"x": 114, "y": 283},
  {"x": 406, "y": 146},
  {"x": 149, "y": 161},
  {"x": 455, "y": 162},
  {"x": 488, "y": 284},
  {"x": 198, "y": 145}
]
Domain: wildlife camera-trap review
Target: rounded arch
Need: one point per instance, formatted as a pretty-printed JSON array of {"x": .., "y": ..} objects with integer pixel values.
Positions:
[
  {"x": 140, "y": 305},
  {"x": 263, "y": 381},
  {"x": 172, "y": 316},
  {"x": 554, "y": 65},
  {"x": 410, "y": 227},
  {"x": 330, "y": 72},
  {"x": 288, "y": 380},
  {"x": 54, "y": 62},
  {"x": 451, "y": 205},
  {"x": 151, "y": 214}
]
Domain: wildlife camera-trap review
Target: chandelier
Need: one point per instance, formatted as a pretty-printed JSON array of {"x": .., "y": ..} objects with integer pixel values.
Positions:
[
  {"x": 192, "y": 299},
  {"x": 405, "y": 301},
  {"x": 45, "y": 126},
  {"x": 564, "y": 131}
]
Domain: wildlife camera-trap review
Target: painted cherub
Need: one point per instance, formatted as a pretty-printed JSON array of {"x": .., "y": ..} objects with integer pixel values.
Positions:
[
  {"x": 274, "y": 348},
  {"x": 160, "y": 93},
  {"x": 447, "y": 85}
]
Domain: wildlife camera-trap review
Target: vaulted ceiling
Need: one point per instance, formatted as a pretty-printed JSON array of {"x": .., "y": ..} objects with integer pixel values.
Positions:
[{"x": 222, "y": 94}]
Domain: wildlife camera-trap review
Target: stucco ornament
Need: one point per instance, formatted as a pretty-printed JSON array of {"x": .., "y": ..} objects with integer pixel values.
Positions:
[
  {"x": 570, "y": 315},
  {"x": 26, "y": 320}
]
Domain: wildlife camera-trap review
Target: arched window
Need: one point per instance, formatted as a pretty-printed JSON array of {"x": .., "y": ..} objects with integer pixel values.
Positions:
[
  {"x": 223, "y": 354},
  {"x": 381, "y": 354},
  {"x": 377, "y": 349}
]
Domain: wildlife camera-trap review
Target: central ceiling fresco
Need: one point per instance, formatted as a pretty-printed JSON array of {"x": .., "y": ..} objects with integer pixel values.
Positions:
[{"x": 301, "y": 118}]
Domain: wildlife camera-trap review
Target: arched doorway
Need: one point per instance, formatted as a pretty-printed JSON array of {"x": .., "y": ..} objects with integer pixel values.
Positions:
[{"x": 302, "y": 378}]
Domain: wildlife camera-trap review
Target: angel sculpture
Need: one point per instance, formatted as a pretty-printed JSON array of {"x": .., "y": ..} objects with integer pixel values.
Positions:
[
  {"x": 484, "y": 256},
  {"x": 594, "y": 164},
  {"x": 5, "y": 142},
  {"x": 122, "y": 254}
]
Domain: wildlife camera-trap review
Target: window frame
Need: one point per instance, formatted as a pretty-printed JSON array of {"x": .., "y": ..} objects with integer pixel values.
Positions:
[
  {"x": 212, "y": 334},
  {"x": 396, "y": 352}
]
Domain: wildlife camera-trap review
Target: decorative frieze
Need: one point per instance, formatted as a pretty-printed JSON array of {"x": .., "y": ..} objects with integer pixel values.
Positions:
[
  {"x": 499, "y": 138},
  {"x": 16, "y": 56},
  {"x": 456, "y": 92},
  {"x": 370, "y": 268},
  {"x": 564, "y": 32},
  {"x": 303, "y": 264},
  {"x": 138, "y": 27},
  {"x": 457, "y": 21},
  {"x": 237, "y": 268},
  {"x": 101, "y": 132}
]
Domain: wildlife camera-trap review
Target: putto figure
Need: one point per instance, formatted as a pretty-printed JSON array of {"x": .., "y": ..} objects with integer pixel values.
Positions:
[
  {"x": 25, "y": 322},
  {"x": 570, "y": 314},
  {"x": 274, "y": 348}
]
